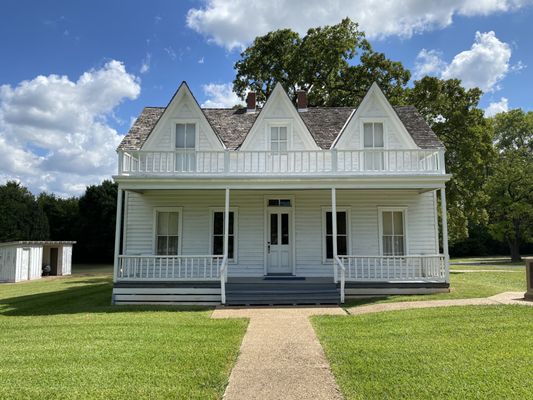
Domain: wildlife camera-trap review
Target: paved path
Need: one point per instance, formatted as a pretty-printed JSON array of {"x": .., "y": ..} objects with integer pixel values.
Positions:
[
  {"x": 280, "y": 356},
  {"x": 502, "y": 298}
]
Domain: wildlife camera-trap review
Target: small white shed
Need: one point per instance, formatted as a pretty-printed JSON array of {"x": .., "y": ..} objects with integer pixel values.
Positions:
[{"x": 24, "y": 260}]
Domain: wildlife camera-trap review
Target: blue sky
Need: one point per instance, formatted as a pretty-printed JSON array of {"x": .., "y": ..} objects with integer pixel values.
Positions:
[{"x": 136, "y": 53}]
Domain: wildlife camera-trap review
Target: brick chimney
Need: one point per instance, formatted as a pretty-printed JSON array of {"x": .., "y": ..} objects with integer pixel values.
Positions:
[
  {"x": 250, "y": 102},
  {"x": 301, "y": 100}
]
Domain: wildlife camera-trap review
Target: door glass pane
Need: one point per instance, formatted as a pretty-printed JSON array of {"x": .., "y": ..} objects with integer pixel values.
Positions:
[
  {"x": 190, "y": 138},
  {"x": 387, "y": 223},
  {"x": 284, "y": 228},
  {"x": 180, "y": 136},
  {"x": 273, "y": 229},
  {"x": 378, "y": 135},
  {"x": 368, "y": 136},
  {"x": 398, "y": 223},
  {"x": 273, "y": 202},
  {"x": 284, "y": 203}
]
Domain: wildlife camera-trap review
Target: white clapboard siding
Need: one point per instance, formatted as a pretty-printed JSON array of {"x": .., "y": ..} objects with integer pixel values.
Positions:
[
  {"x": 8, "y": 257},
  {"x": 307, "y": 211}
]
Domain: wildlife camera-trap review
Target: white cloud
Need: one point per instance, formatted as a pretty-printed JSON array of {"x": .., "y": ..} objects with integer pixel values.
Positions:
[
  {"x": 220, "y": 96},
  {"x": 497, "y": 107},
  {"x": 233, "y": 24},
  {"x": 53, "y": 131},
  {"x": 201, "y": 61},
  {"x": 428, "y": 62},
  {"x": 145, "y": 66},
  {"x": 484, "y": 65}
]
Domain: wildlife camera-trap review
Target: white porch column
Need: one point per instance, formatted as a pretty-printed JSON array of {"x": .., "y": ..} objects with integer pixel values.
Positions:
[
  {"x": 334, "y": 229},
  {"x": 226, "y": 225},
  {"x": 445, "y": 232},
  {"x": 118, "y": 233}
]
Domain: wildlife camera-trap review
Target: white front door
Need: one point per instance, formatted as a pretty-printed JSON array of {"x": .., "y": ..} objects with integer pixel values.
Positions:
[
  {"x": 25, "y": 264},
  {"x": 279, "y": 241}
]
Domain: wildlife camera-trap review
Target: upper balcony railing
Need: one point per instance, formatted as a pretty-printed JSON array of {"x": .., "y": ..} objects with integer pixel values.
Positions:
[{"x": 298, "y": 162}]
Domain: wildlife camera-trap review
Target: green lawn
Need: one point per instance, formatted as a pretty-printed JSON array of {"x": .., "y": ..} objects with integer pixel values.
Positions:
[
  {"x": 60, "y": 338},
  {"x": 463, "y": 285},
  {"x": 448, "y": 353}
]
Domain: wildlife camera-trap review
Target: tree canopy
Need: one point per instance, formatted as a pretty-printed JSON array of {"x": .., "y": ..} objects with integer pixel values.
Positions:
[
  {"x": 510, "y": 187},
  {"x": 335, "y": 64}
]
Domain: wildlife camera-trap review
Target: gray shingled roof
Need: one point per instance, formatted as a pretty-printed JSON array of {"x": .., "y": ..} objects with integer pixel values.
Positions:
[{"x": 324, "y": 123}]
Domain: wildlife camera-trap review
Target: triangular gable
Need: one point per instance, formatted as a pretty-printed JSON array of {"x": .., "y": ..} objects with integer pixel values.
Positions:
[
  {"x": 375, "y": 94},
  {"x": 184, "y": 99},
  {"x": 279, "y": 98}
]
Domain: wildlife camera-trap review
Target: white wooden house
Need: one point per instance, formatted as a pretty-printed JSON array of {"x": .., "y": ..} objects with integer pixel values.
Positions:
[
  {"x": 24, "y": 260},
  {"x": 279, "y": 204}
]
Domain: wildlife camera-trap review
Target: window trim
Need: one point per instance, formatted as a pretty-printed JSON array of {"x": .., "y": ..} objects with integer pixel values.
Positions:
[
  {"x": 404, "y": 210},
  {"x": 363, "y": 121},
  {"x": 279, "y": 123},
  {"x": 347, "y": 210},
  {"x": 235, "y": 211},
  {"x": 176, "y": 121},
  {"x": 179, "y": 210}
]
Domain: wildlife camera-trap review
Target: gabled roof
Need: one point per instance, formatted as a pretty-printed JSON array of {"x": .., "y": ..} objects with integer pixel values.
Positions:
[{"x": 324, "y": 123}]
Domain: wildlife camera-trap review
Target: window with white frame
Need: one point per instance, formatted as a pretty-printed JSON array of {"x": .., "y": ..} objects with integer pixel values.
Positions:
[
  {"x": 217, "y": 233},
  {"x": 342, "y": 233},
  {"x": 167, "y": 232},
  {"x": 278, "y": 138},
  {"x": 393, "y": 232},
  {"x": 185, "y": 136},
  {"x": 373, "y": 140}
]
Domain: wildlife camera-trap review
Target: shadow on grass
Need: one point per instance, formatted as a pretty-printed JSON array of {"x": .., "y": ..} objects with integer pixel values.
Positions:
[{"x": 87, "y": 296}]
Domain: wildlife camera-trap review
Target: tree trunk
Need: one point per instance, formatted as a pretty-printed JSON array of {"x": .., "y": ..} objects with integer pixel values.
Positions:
[{"x": 514, "y": 243}]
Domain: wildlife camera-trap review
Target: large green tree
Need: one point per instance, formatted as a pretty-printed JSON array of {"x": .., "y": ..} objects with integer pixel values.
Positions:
[
  {"x": 21, "y": 217},
  {"x": 453, "y": 113},
  {"x": 510, "y": 185},
  {"x": 334, "y": 64},
  {"x": 62, "y": 214}
]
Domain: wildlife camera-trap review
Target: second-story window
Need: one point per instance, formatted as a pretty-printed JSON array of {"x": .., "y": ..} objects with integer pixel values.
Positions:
[
  {"x": 373, "y": 139},
  {"x": 185, "y": 136},
  {"x": 185, "y": 160},
  {"x": 278, "y": 138}
]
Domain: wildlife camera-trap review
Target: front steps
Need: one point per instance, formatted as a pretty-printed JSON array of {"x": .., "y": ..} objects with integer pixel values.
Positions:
[
  {"x": 182, "y": 293},
  {"x": 279, "y": 291}
]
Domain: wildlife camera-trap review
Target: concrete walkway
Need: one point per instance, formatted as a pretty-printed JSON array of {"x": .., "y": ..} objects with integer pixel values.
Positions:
[
  {"x": 502, "y": 298},
  {"x": 280, "y": 356}
]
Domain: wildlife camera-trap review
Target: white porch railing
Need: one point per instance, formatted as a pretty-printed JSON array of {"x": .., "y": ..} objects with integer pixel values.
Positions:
[
  {"x": 167, "y": 268},
  {"x": 298, "y": 162},
  {"x": 395, "y": 268}
]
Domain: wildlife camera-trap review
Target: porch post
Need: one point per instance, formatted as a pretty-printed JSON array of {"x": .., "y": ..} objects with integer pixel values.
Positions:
[
  {"x": 334, "y": 229},
  {"x": 118, "y": 233},
  {"x": 445, "y": 232},
  {"x": 226, "y": 225}
]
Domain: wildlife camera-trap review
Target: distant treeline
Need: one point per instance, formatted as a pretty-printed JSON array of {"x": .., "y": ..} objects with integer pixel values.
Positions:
[{"x": 89, "y": 219}]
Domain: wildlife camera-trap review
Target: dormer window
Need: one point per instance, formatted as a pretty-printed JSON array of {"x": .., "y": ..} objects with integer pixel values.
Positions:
[
  {"x": 185, "y": 136},
  {"x": 373, "y": 140},
  {"x": 278, "y": 138}
]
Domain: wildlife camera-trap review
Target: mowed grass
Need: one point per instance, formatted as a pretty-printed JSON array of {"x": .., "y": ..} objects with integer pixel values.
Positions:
[
  {"x": 463, "y": 285},
  {"x": 61, "y": 339},
  {"x": 447, "y": 353}
]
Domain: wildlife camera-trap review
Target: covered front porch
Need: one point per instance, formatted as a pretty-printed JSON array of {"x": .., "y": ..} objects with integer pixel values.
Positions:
[{"x": 307, "y": 232}]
